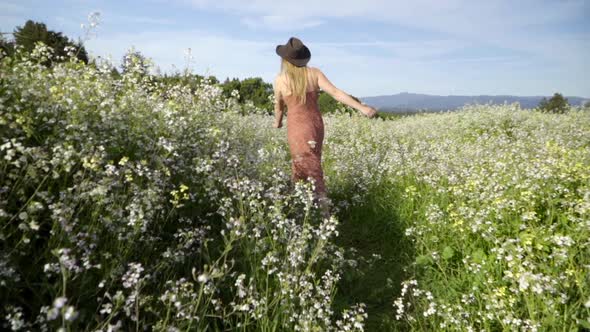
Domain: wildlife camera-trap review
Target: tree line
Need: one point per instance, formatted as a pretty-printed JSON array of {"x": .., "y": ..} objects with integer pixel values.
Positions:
[{"x": 33, "y": 32}]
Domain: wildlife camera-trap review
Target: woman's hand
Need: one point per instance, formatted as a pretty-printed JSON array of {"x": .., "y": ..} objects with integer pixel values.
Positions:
[{"x": 369, "y": 111}]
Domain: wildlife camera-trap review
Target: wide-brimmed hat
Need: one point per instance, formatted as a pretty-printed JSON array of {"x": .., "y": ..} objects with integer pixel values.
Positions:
[{"x": 295, "y": 52}]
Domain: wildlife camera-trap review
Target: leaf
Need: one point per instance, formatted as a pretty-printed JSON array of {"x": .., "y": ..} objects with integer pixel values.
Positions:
[
  {"x": 423, "y": 260},
  {"x": 584, "y": 323},
  {"x": 448, "y": 253},
  {"x": 478, "y": 255}
]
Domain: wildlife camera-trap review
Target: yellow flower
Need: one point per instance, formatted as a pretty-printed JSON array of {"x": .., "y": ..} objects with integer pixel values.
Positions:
[{"x": 500, "y": 292}]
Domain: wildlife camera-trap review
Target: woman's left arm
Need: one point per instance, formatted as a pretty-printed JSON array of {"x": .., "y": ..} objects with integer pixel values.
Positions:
[{"x": 279, "y": 106}]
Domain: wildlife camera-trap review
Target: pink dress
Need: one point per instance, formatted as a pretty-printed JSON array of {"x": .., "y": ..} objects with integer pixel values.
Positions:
[{"x": 305, "y": 134}]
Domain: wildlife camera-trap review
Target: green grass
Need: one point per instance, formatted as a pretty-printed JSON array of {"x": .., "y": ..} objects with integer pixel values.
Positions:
[
  {"x": 116, "y": 201},
  {"x": 374, "y": 231}
]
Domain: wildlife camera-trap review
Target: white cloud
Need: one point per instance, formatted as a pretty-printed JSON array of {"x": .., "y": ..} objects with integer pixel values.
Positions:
[
  {"x": 360, "y": 75},
  {"x": 280, "y": 22},
  {"x": 218, "y": 55},
  {"x": 525, "y": 27},
  {"x": 449, "y": 15},
  {"x": 416, "y": 49},
  {"x": 516, "y": 25},
  {"x": 374, "y": 65},
  {"x": 144, "y": 20}
]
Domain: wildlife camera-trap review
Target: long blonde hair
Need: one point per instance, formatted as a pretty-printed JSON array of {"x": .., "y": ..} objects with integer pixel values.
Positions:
[{"x": 296, "y": 80}]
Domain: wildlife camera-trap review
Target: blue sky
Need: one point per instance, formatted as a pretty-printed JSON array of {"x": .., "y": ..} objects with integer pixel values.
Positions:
[{"x": 367, "y": 48}]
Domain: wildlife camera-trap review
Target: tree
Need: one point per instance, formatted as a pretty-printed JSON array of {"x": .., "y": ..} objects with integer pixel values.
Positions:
[
  {"x": 253, "y": 89},
  {"x": 556, "y": 104},
  {"x": 256, "y": 90},
  {"x": 587, "y": 104},
  {"x": 32, "y": 32},
  {"x": 229, "y": 86},
  {"x": 6, "y": 46},
  {"x": 326, "y": 103},
  {"x": 193, "y": 81}
]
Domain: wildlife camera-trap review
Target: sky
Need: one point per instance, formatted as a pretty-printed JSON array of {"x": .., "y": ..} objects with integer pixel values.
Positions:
[{"x": 367, "y": 48}]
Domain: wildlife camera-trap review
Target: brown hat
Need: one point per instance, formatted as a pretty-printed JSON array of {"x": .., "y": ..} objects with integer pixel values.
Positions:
[{"x": 295, "y": 52}]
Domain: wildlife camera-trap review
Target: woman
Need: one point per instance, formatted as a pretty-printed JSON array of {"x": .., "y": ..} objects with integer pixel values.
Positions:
[{"x": 296, "y": 87}]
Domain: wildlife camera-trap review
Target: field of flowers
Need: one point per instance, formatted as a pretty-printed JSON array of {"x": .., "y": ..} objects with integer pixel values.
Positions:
[{"x": 127, "y": 205}]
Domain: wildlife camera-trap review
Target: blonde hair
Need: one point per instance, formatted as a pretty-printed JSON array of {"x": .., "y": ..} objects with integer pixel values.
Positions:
[{"x": 296, "y": 80}]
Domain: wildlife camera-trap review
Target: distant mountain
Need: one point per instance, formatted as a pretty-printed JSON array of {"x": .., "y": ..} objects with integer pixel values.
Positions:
[{"x": 403, "y": 102}]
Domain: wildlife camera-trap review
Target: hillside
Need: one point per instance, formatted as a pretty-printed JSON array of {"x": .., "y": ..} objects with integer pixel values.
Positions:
[{"x": 413, "y": 101}]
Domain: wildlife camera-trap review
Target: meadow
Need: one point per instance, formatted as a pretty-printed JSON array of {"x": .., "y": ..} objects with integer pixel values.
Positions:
[{"x": 129, "y": 205}]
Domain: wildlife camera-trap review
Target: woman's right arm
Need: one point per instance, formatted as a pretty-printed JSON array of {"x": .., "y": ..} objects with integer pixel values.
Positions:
[
  {"x": 279, "y": 106},
  {"x": 342, "y": 96}
]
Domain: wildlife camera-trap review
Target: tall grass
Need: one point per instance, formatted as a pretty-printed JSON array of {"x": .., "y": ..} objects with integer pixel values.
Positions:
[{"x": 127, "y": 205}]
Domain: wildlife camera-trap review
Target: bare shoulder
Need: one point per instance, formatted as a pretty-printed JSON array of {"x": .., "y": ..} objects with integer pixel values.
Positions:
[
  {"x": 315, "y": 71},
  {"x": 314, "y": 76},
  {"x": 318, "y": 76},
  {"x": 323, "y": 82}
]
